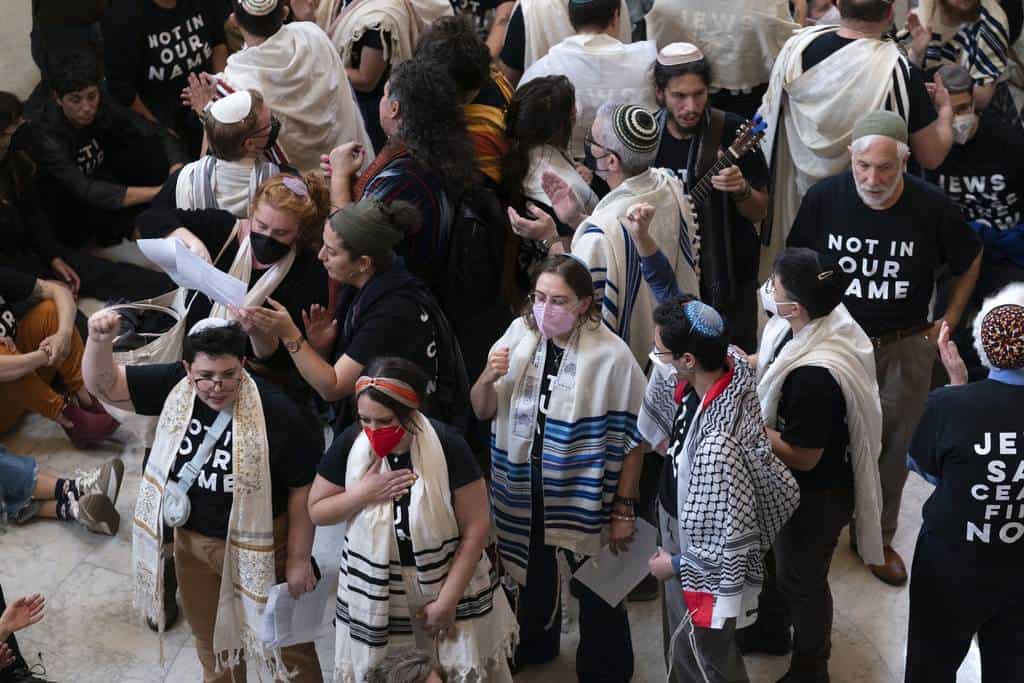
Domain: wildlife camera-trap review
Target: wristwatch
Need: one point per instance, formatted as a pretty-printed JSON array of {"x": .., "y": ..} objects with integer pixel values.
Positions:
[{"x": 293, "y": 345}]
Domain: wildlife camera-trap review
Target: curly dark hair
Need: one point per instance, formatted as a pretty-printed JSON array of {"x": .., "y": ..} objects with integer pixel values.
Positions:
[
  {"x": 431, "y": 124},
  {"x": 541, "y": 112},
  {"x": 453, "y": 42}
]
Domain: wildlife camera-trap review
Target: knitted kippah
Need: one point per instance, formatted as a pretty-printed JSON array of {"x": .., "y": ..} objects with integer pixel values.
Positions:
[
  {"x": 999, "y": 329},
  {"x": 704, "y": 319},
  {"x": 258, "y": 8},
  {"x": 885, "y": 123},
  {"x": 635, "y": 128},
  {"x": 1002, "y": 337}
]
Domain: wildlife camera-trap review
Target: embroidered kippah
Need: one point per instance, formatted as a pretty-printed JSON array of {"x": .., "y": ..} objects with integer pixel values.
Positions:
[
  {"x": 232, "y": 108},
  {"x": 635, "y": 128},
  {"x": 703, "y": 318},
  {"x": 258, "y": 8},
  {"x": 1002, "y": 336},
  {"x": 208, "y": 324},
  {"x": 675, "y": 54}
]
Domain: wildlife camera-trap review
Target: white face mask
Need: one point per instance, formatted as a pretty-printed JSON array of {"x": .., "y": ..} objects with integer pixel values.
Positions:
[
  {"x": 767, "y": 299},
  {"x": 658, "y": 362},
  {"x": 964, "y": 126}
]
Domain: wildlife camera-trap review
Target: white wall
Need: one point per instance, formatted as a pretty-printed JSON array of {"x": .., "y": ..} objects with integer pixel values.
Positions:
[{"x": 18, "y": 73}]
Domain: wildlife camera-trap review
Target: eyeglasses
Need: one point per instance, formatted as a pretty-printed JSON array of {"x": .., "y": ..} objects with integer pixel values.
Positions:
[
  {"x": 542, "y": 298},
  {"x": 659, "y": 354},
  {"x": 589, "y": 141},
  {"x": 222, "y": 383}
]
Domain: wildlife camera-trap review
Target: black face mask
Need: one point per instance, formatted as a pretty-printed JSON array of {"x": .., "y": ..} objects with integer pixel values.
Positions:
[
  {"x": 275, "y": 130},
  {"x": 266, "y": 249}
]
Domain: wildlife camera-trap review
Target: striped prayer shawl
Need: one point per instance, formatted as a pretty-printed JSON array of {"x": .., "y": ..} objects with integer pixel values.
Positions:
[
  {"x": 377, "y": 596},
  {"x": 981, "y": 46},
  {"x": 604, "y": 244},
  {"x": 589, "y": 429}
]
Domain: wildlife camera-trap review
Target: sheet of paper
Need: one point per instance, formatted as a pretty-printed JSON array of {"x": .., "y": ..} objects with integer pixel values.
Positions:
[
  {"x": 287, "y": 621},
  {"x": 161, "y": 253},
  {"x": 195, "y": 273},
  {"x": 612, "y": 577}
]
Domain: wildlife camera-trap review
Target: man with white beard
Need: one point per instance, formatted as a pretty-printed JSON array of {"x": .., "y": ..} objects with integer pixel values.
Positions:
[{"x": 892, "y": 233}]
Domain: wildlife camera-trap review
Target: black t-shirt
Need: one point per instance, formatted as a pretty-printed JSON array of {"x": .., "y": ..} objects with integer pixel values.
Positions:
[
  {"x": 89, "y": 156},
  {"x": 513, "y": 51},
  {"x": 294, "y": 438},
  {"x": 552, "y": 363},
  {"x": 812, "y": 414},
  {"x": 372, "y": 39},
  {"x": 480, "y": 11},
  {"x": 922, "y": 111},
  {"x": 668, "y": 489},
  {"x": 674, "y": 155},
  {"x": 401, "y": 327},
  {"x": 15, "y": 286},
  {"x": 984, "y": 177},
  {"x": 462, "y": 470},
  {"x": 970, "y": 444},
  {"x": 151, "y": 50},
  {"x": 892, "y": 255}
]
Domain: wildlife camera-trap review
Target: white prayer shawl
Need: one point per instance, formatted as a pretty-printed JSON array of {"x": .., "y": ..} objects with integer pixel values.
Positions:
[
  {"x": 590, "y": 427},
  {"x": 303, "y": 82},
  {"x": 547, "y": 24},
  {"x": 601, "y": 69},
  {"x": 403, "y": 20},
  {"x": 241, "y": 268},
  {"x": 248, "y": 571},
  {"x": 837, "y": 343},
  {"x": 548, "y": 158},
  {"x": 485, "y": 630},
  {"x": 811, "y": 115},
  {"x": 212, "y": 183},
  {"x": 739, "y": 38},
  {"x": 602, "y": 242}
]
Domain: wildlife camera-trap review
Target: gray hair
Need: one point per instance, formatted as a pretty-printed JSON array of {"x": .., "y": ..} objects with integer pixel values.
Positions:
[
  {"x": 633, "y": 163},
  {"x": 860, "y": 145},
  {"x": 955, "y": 78}
]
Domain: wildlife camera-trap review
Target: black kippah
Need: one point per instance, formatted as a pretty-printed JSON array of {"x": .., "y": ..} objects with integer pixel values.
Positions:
[{"x": 636, "y": 128}]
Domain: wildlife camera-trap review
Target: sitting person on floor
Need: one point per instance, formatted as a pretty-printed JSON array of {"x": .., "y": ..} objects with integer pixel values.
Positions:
[
  {"x": 29, "y": 492},
  {"x": 27, "y": 235},
  {"x": 38, "y": 343},
  {"x": 102, "y": 160}
]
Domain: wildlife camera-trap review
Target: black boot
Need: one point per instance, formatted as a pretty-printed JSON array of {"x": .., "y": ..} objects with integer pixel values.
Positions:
[{"x": 170, "y": 602}]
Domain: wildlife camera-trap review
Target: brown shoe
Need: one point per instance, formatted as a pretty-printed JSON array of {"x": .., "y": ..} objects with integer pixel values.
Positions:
[{"x": 893, "y": 572}]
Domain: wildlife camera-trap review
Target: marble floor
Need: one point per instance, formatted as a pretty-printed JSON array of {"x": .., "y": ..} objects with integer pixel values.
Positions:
[{"x": 91, "y": 635}]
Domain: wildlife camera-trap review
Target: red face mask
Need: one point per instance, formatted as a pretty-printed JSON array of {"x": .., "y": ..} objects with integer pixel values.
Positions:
[{"x": 384, "y": 439}]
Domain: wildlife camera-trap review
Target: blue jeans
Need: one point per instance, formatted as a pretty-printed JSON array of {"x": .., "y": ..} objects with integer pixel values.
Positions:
[{"x": 17, "y": 482}]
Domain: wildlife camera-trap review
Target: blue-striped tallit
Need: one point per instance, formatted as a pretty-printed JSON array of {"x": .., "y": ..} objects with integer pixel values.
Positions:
[
  {"x": 602, "y": 242},
  {"x": 373, "y": 604},
  {"x": 590, "y": 427}
]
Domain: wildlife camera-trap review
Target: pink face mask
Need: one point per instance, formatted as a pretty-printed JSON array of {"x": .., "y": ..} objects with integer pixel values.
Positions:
[{"x": 553, "y": 321}]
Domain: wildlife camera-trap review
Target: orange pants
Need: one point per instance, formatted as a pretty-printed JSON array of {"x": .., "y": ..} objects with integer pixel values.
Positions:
[{"x": 32, "y": 392}]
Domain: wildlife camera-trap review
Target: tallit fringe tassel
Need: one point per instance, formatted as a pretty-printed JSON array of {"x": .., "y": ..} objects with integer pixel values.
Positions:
[{"x": 256, "y": 652}]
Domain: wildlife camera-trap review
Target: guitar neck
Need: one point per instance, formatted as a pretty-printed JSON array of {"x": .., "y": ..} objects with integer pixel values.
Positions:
[{"x": 701, "y": 190}]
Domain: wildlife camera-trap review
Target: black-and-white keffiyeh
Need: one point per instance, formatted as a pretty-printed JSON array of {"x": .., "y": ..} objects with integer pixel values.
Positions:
[{"x": 734, "y": 495}]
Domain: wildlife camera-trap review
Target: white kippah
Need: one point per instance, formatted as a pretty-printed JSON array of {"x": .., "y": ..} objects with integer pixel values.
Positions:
[
  {"x": 233, "y": 108},
  {"x": 674, "y": 54},
  {"x": 208, "y": 324},
  {"x": 259, "y": 8}
]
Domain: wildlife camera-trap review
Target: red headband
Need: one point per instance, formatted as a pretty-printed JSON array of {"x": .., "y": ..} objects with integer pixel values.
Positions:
[{"x": 392, "y": 388}]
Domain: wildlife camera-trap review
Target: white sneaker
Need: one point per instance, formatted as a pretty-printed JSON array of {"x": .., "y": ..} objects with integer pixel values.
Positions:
[{"x": 106, "y": 480}]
